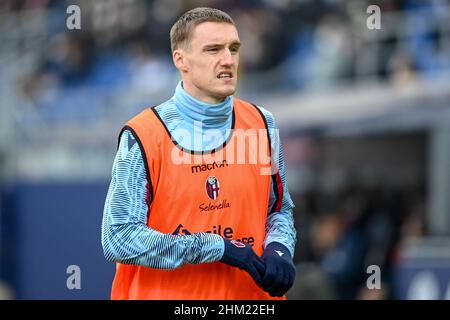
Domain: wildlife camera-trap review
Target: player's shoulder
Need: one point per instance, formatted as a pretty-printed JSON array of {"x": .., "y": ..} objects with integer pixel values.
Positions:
[
  {"x": 128, "y": 146},
  {"x": 165, "y": 107},
  {"x": 130, "y": 133},
  {"x": 160, "y": 109},
  {"x": 267, "y": 115}
]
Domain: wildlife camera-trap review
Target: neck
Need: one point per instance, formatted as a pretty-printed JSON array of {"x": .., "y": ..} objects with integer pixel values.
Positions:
[
  {"x": 211, "y": 115},
  {"x": 191, "y": 90}
]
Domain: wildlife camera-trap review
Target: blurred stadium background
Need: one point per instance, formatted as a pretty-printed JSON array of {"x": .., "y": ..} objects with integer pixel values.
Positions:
[{"x": 364, "y": 118}]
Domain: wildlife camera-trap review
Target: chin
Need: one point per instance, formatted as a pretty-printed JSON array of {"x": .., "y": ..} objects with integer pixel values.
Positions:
[{"x": 225, "y": 92}]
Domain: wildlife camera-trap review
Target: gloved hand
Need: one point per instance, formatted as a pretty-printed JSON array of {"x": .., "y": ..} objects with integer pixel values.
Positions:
[
  {"x": 242, "y": 256},
  {"x": 280, "y": 270}
]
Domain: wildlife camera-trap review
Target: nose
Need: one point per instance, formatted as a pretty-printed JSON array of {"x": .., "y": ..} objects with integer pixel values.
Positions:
[{"x": 226, "y": 58}]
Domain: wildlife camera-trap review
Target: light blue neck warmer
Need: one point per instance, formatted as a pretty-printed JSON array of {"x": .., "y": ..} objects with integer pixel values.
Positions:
[{"x": 208, "y": 123}]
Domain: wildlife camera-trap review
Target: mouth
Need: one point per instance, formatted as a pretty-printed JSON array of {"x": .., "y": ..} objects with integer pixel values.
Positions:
[{"x": 225, "y": 75}]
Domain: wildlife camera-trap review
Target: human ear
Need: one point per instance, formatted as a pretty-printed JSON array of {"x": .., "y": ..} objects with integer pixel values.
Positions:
[{"x": 179, "y": 59}]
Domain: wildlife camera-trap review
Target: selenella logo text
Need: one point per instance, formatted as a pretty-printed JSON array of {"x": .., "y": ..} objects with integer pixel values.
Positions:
[{"x": 211, "y": 207}]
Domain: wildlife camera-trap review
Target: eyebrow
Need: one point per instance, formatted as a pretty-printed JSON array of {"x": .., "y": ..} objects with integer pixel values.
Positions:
[{"x": 212, "y": 45}]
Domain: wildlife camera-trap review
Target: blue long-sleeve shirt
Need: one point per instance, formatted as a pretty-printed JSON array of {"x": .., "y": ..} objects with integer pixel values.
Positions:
[{"x": 126, "y": 238}]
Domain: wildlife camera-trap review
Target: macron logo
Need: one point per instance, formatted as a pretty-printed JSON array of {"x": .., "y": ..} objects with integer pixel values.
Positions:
[{"x": 279, "y": 253}]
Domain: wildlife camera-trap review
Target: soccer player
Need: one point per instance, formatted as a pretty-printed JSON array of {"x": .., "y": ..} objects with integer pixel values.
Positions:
[{"x": 183, "y": 219}]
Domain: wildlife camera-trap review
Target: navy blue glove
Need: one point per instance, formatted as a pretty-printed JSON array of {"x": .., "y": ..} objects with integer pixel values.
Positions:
[
  {"x": 280, "y": 270},
  {"x": 238, "y": 254}
]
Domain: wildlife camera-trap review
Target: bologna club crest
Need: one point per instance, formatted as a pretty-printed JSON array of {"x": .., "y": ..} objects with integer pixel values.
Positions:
[{"x": 212, "y": 187}]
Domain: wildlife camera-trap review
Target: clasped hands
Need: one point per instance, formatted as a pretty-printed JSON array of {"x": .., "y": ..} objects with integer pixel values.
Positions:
[{"x": 274, "y": 271}]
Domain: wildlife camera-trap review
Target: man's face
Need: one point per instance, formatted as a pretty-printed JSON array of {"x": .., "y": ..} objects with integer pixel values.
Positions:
[{"x": 211, "y": 60}]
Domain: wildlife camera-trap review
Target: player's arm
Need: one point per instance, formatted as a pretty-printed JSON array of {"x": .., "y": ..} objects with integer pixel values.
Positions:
[
  {"x": 127, "y": 239},
  {"x": 281, "y": 236}
]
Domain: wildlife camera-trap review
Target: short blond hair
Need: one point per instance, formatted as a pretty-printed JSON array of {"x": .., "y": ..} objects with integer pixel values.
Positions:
[{"x": 180, "y": 32}]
